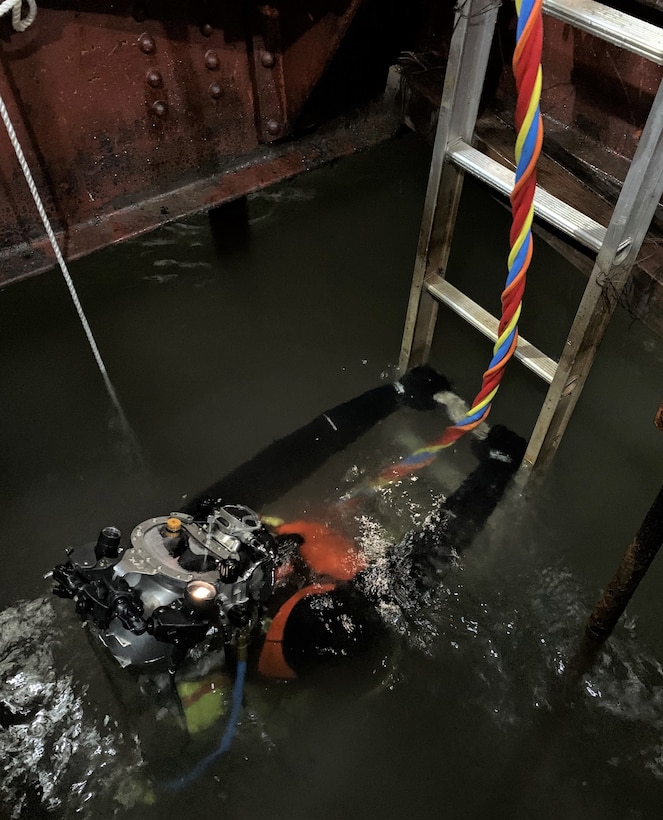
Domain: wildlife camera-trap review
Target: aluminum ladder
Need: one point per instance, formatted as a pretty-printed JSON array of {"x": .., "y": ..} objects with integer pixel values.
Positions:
[{"x": 617, "y": 247}]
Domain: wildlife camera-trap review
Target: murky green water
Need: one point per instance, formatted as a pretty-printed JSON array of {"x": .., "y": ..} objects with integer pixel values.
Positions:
[{"x": 215, "y": 352}]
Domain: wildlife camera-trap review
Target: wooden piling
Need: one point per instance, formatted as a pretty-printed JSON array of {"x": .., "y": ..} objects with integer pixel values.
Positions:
[{"x": 634, "y": 565}]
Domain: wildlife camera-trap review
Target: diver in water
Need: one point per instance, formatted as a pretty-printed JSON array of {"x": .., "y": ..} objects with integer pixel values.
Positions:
[
  {"x": 306, "y": 590},
  {"x": 302, "y": 590},
  {"x": 324, "y": 603}
]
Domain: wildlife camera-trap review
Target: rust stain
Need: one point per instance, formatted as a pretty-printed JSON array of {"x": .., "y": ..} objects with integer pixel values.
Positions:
[
  {"x": 658, "y": 418},
  {"x": 116, "y": 110}
]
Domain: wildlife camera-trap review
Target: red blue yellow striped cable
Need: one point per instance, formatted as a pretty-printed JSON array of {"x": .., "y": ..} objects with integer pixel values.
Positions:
[{"x": 527, "y": 72}]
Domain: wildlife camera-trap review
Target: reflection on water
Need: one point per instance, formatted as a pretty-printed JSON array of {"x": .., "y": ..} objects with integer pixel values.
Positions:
[
  {"x": 215, "y": 354},
  {"x": 60, "y": 756}
]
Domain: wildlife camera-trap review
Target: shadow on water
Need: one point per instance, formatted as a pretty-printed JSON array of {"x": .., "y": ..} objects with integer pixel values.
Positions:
[{"x": 218, "y": 348}]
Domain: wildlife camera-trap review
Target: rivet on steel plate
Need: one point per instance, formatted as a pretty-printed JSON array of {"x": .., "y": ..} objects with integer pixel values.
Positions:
[
  {"x": 159, "y": 108},
  {"x": 211, "y": 60},
  {"x": 273, "y": 127},
  {"x": 215, "y": 90},
  {"x": 154, "y": 78},
  {"x": 267, "y": 59},
  {"x": 146, "y": 43}
]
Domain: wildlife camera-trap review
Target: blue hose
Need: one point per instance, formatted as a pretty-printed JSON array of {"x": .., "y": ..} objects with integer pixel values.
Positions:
[{"x": 225, "y": 743}]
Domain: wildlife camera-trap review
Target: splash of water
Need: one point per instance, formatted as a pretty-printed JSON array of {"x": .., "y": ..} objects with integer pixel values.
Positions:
[{"x": 58, "y": 754}]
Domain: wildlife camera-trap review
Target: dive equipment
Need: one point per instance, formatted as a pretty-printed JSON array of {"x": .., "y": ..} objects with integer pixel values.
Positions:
[{"x": 179, "y": 582}]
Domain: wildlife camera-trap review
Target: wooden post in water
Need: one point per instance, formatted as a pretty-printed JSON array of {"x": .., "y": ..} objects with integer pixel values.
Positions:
[{"x": 635, "y": 563}]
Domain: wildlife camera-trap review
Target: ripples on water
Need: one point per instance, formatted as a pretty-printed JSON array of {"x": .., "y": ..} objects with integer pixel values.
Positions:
[
  {"x": 463, "y": 716},
  {"x": 60, "y": 755},
  {"x": 486, "y": 635}
]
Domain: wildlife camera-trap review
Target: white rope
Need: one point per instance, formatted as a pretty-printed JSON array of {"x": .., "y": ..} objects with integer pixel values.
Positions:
[
  {"x": 56, "y": 249},
  {"x": 21, "y": 24},
  {"x": 16, "y": 6}
]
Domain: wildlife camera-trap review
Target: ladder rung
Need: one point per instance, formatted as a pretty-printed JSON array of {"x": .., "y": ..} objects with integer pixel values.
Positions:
[
  {"x": 474, "y": 314},
  {"x": 610, "y": 25},
  {"x": 572, "y": 222}
]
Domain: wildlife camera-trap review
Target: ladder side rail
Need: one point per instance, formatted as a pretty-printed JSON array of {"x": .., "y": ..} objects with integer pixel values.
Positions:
[
  {"x": 639, "y": 197},
  {"x": 464, "y": 78}
]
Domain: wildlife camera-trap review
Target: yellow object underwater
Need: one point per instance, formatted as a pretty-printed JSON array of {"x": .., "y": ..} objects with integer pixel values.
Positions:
[{"x": 204, "y": 701}]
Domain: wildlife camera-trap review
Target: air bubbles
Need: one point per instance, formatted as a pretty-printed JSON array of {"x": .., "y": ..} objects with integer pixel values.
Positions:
[{"x": 592, "y": 690}]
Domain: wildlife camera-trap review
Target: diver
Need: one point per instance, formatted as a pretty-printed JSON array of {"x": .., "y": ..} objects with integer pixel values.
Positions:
[
  {"x": 325, "y": 603},
  {"x": 303, "y": 591}
]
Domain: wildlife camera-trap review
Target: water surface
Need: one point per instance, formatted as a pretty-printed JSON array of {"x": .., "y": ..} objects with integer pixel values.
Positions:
[{"x": 216, "y": 348}]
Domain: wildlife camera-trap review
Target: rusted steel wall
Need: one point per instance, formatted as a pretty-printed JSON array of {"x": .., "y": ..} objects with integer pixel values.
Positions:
[
  {"x": 600, "y": 90},
  {"x": 292, "y": 43},
  {"x": 595, "y": 100},
  {"x": 135, "y": 113},
  {"x": 595, "y": 97},
  {"x": 117, "y": 104},
  {"x": 596, "y": 90}
]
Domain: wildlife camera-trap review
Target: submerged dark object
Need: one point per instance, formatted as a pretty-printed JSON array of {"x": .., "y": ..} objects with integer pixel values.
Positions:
[
  {"x": 633, "y": 567},
  {"x": 340, "y": 619},
  {"x": 208, "y": 573}
]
